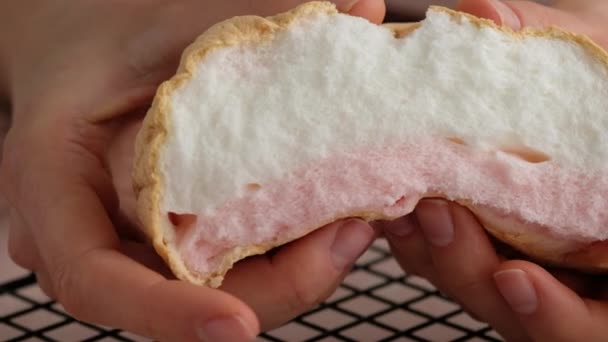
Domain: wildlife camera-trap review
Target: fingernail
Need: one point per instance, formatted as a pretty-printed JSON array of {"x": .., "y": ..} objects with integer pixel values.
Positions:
[
  {"x": 226, "y": 329},
  {"x": 350, "y": 242},
  {"x": 435, "y": 222},
  {"x": 401, "y": 227},
  {"x": 507, "y": 16},
  {"x": 517, "y": 289},
  {"x": 345, "y": 5}
]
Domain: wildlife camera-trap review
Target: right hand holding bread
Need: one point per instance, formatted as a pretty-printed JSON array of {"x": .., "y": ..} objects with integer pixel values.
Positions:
[{"x": 446, "y": 244}]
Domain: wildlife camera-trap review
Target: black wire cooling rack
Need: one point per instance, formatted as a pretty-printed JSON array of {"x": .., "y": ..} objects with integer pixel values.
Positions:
[{"x": 376, "y": 302}]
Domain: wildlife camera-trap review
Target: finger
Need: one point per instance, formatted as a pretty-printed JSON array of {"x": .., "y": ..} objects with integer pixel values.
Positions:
[
  {"x": 21, "y": 246},
  {"x": 24, "y": 252},
  {"x": 120, "y": 156},
  {"x": 585, "y": 285},
  {"x": 79, "y": 247},
  {"x": 518, "y": 14},
  {"x": 44, "y": 282},
  {"x": 372, "y": 10},
  {"x": 464, "y": 261},
  {"x": 301, "y": 274},
  {"x": 128, "y": 295},
  {"x": 131, "y": 297},
  {"x": 145, "y": 254},
  {"x": 409, "y": 248},
  {"x": 547, "y": 309}
]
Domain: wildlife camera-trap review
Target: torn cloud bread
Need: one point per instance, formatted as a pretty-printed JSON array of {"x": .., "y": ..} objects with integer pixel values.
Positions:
[{"x": 274, "y": 127}]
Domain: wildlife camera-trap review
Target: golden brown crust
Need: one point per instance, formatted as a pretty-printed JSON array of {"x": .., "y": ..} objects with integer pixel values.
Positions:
[
  {"x": 148, "y": 179},
  {"x": 527, "y": 243},
  {"x": 539, "y": 247},
  {"x": 546, "y": 32},
  {"x": 402, "y": 29}
]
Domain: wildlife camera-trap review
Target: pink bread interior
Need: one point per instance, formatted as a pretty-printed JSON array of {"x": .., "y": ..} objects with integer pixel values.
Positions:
[{"x": 275, "y": 127}]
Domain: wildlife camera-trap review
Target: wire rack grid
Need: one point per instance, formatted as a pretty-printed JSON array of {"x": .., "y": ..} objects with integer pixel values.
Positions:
[{"x": 376, "y": 302}]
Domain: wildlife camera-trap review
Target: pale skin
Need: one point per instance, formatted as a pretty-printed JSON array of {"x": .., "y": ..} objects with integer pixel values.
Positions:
[{"x": 78, "y": 74}]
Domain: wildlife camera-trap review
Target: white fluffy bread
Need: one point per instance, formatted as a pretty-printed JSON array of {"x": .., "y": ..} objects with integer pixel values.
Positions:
[{"x": 273, "y": 127}]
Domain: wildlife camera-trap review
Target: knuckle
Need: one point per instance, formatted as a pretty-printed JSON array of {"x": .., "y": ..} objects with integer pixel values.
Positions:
[
  {"x": 7, "y": 167},
  {"x": 19, "y": 257},
  {"x": 15, "y": 252},
  {"x": 408, "y": 267},
  {"x": 151, "y": 328},
  {"x": 472, "y": 311},
  {"x": 63, "y": 285},
  {"x": 424, "y": 268},
  {"x": 418, "y": 266},
  {"x": 16, "y": 156},
  {"x": 44, "y": 284},
  {"x": 21, "y": 249},
  {"x": 305, "y": 295},
  {"x": 468, "y": 288}
]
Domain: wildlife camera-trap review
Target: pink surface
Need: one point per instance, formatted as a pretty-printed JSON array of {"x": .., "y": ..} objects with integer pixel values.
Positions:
[{"x": 390, "y": 180}]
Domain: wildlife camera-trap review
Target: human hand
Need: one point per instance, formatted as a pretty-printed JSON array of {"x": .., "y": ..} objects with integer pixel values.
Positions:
[
  {"x": 79, "y": 75},
  {"x": 587, "y": 17},
  {"x": 446, "y": 244}
]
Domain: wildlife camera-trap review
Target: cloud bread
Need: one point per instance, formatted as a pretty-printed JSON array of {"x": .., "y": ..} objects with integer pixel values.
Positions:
[{"x": 274, "y": 127}]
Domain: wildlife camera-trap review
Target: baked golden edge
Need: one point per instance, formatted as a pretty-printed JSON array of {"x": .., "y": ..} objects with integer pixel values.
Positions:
[{"x": 148, "y": 179}]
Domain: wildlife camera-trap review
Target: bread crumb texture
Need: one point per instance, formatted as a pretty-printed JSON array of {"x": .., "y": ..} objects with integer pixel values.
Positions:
[{"x": 273, "y": 127}]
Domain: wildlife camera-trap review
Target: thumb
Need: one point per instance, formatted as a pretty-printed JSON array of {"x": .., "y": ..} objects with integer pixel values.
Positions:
[
  {"x": 547, "y": 309},
  {"x": 519, "y": 14},
  {"x": 372, "y": 10}
]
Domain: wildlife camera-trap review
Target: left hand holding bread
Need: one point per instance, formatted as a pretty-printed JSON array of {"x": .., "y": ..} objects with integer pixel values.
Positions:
[{"x": 78, "y": 76}]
